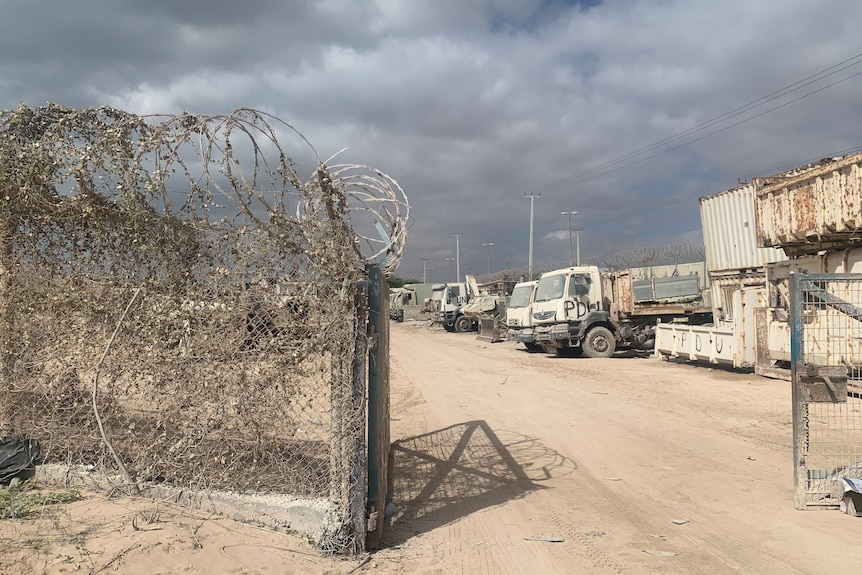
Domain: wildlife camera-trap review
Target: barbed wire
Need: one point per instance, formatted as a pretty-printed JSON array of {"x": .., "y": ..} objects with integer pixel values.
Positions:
[
  {"x": 236, "y": 365},
  {"x": 646, "y": 256}
]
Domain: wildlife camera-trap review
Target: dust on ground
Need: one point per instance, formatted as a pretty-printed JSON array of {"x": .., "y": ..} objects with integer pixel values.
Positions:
[{"x": 510, "y": 462}]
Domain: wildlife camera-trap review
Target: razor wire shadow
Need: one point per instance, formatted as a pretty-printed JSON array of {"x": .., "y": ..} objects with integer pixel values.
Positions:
[{"x": 439, "y": 477}]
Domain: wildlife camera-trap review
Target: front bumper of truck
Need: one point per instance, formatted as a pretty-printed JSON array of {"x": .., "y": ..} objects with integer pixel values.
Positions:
[
  {"x": 524, "y": 335},
  {"x": 559, "y": 335}
]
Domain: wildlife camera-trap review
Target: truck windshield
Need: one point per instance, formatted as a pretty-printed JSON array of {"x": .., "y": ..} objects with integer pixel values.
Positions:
[
  {"x": 551, "y": 287},
  {"x": 520, "y": 296}
]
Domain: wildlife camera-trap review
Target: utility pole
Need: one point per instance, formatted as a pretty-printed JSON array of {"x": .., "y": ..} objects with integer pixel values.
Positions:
[
  {"x": 489, "y": 255},
  {"x": 532, "y": 201},
  {"x": 578, "y": 242},
  {"x": 509, "y": 260},
  {"x": 458, "y": 256},
  {"x": 450, "y": 260},
  {"x": 571, "y": 254},
  {"x": 424, "y": 269}
]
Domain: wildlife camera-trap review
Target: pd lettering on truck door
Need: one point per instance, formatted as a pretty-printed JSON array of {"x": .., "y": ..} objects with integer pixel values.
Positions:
[{"x": 578, "y": 300}]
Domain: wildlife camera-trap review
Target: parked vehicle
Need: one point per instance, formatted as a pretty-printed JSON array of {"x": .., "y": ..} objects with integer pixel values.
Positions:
[
  {"x": 578, "y": 309},
  {"x": 488, "y": 312},
  {"x": 397, "y": 297},
  {"x": 407, "y": 302},
  {"x": 519, "y": 315},
  {"x": 447, "y": 303}
]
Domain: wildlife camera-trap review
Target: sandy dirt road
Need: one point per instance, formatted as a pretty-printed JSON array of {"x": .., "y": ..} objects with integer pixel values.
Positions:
[
  {"x": 497, "y": 450},
  {"x": 507, "y": 462}
]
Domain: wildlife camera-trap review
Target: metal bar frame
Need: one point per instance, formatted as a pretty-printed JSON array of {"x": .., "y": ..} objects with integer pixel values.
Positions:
[
  {"x": 378, "y": 406},
  {"x": 827, "y": 429}
]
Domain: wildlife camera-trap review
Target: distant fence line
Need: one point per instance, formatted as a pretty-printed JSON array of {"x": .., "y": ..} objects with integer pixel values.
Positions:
[{"x": 644, "y": 257}]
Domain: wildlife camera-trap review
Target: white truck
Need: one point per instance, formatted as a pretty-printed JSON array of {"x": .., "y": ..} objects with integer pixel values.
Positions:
[
  {"x": 446, "y": 303},
  {"x": 578, "y": 309},
  {"x": 519, "y": 315},
  {"x": 406, "y": 302}
]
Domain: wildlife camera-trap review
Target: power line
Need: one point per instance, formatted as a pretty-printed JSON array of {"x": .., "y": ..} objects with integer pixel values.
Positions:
[
  {"x": 606, "y": 167},
  {"x": 622, "y": 162},
  {"x": 807, "y": 81},
  {"x": 724, "y": 129},
  {"x": 721, "y": 187}
]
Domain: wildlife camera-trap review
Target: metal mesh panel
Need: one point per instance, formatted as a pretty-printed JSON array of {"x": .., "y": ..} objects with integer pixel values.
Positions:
[
  {"x": 168, "y": 316},
  {"x": 827, "y": 385}
]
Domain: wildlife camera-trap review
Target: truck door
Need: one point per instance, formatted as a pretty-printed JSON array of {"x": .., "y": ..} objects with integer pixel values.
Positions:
[
  {"x": 455, "y": 296},
  {"x": 580, "y": 286}
]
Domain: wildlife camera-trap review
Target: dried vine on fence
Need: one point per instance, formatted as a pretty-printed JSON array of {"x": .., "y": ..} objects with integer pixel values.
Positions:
[{"x": 231, "y": 368}]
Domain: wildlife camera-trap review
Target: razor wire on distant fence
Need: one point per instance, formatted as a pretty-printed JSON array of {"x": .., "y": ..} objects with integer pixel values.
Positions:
[
  {"x": 643, "y": 257},
  {"x": 179, "y": 306}
]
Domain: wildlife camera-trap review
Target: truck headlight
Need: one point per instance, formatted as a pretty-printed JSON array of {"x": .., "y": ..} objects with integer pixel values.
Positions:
[{"x": 561, "y": 329}]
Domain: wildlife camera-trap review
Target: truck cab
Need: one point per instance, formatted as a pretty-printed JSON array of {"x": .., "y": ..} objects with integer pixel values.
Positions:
[
  {"x": 398, "y": 298},
  {"x": 569, "y": 313},
  {"x": 519, "y": 318},
  {"x": 447, "y": 301}
]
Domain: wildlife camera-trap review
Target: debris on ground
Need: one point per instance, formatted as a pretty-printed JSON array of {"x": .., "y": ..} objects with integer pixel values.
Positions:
[
  {"x": 851, "y": 497},
  {"x": 18, "y": 455},
  {"x": 658, "y": 553},
  {"x": 545, "y": 538}
]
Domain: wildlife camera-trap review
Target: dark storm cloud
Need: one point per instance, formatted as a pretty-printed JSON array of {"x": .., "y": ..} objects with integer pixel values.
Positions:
[
  {"x": 80, "y": 50},
  {"x": 470, "y": 105}
]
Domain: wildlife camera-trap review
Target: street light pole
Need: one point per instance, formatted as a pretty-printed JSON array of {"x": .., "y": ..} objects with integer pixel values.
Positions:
[
  {"x": 532, "y": 201},
  {"x": 571, "y": 255},
  {"x": 424, "y": 269},
  {"x": 458, "y": 256},
  {"x": 578, "y": 242},
  {"x": 450, "y": 260},
  {"x": 488, "y": 245}
]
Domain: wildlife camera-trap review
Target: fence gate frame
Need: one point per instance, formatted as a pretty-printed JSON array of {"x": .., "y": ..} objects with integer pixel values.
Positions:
[
  {"x": 378, "y": 406},
  {"x": 826, "y": 383}
]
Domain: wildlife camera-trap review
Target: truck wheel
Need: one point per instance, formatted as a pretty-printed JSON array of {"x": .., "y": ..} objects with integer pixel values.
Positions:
[
  {"x": 463, "y": 324},
  {"x": 449, "y": 328},
  {"x": 599, "y": 342},
  {"x": 534, "y": 347}
]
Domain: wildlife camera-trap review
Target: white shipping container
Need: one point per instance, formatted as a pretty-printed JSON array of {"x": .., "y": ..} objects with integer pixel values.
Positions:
[{"x": 729, "y": 232}]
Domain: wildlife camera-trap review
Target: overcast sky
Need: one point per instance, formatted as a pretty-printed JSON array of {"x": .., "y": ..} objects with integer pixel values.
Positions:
[{"x": 471, "y": 104}]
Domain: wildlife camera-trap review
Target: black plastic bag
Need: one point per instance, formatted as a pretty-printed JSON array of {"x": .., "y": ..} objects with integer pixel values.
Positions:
[{"x": 18, "y": 455}]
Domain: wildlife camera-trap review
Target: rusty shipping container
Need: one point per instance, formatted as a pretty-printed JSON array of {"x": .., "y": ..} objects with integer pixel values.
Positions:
[
  {"x": 729, "y": 236},
  {"x": 819, "y": 209}
]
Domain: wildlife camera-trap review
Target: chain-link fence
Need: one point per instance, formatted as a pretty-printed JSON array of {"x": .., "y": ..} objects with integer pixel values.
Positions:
[
  {"x": 179, "y": 307},
  {"x": 826, "y": 317}
]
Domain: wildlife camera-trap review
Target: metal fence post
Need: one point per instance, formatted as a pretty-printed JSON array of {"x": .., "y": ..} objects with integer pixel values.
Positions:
[
  {"x": 796, "y": 359},
  {"x": 378, "y": 404}
]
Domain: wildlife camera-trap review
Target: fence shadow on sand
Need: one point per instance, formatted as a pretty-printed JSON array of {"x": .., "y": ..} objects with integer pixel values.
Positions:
[{"x": 439, "y": 477}]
